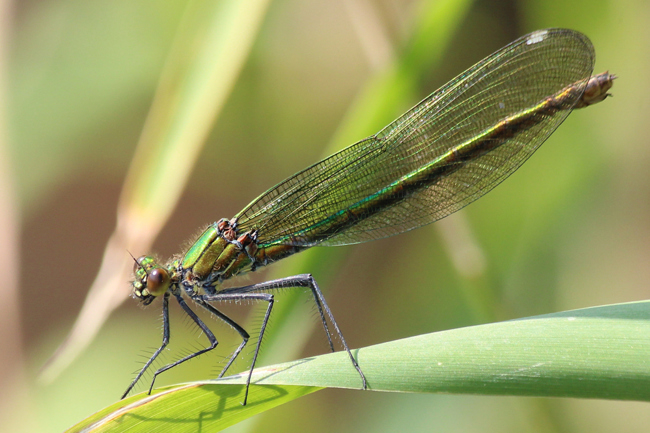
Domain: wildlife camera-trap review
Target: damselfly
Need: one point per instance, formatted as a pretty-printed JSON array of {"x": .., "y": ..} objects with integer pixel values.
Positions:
[{"x": 447, "y": 151}]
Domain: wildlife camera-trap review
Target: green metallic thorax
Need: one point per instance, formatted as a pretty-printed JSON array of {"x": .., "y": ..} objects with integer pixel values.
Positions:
[
  {"x": 213, "y": 255},
  {"x": 204, "y": 253},
  {"x": 216, "y": 256}
]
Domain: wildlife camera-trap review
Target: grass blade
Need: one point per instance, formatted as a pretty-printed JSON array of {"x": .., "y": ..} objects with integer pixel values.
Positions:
[{"x": 600, "y": 352}]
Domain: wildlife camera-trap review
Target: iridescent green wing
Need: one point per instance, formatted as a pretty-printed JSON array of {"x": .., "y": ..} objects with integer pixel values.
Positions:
[{"x": 419, "y": 168}]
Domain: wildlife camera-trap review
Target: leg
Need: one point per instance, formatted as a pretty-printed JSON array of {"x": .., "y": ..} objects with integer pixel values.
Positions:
[
  {"x": 240, "y": 296},
  {"x": 303, "y": 280},
  {"x": 204, "y": 328},
  {"x": 287, "y": 283},
  {"x": 160, "y": 349},
  {"x": 241, "y": 331}
]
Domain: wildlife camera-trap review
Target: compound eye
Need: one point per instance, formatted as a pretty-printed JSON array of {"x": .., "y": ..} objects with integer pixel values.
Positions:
[
  {"x": 138, "y": 263},
  {"x": 158, "y": 281}
]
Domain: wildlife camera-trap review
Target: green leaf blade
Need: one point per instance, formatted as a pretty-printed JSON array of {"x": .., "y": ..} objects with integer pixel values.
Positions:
[
  {"x": 202, "y": 406},
  {"x": 600, "y": 352}
]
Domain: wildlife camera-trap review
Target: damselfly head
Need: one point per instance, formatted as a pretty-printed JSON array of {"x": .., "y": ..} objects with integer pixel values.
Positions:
[{"x": 150, "y": 279}]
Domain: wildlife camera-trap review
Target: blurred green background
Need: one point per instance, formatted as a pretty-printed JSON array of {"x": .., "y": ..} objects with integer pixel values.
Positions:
[{"x": 570, "y": 229}]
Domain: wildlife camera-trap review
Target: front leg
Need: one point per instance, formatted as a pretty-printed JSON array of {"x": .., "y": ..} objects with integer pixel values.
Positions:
[{"x": 165, "y": 341}]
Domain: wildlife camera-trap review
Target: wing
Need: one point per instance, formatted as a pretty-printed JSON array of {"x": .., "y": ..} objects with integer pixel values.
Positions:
[{"x": 419, "y": 168}]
